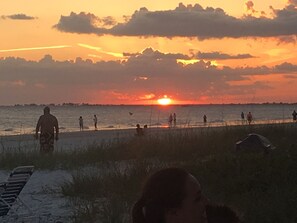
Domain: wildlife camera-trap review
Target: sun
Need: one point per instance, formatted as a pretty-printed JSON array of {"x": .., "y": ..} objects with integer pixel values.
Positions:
[{"x": 164, "y": 101}]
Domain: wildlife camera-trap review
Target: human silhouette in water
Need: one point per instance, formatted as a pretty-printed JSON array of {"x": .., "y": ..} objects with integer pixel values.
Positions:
[
  {"x": 204, "y": 119},
  {"x": 294, "y": 114},
  {"x": 170, "y": 119},
  {"x": 242, "y": 115},
  {"x": 174, "y": 120},
  {"x": 48, "y": 125},
  {"x": 139, "y": 130},
  {"x": 249, "y": 117},
  {"x": 95, "y": 122},
  {"x": 81, "y": 123}
]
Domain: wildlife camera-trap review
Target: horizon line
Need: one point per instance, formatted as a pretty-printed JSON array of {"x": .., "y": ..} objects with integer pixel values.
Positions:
[{"x": 193, "y": 104}]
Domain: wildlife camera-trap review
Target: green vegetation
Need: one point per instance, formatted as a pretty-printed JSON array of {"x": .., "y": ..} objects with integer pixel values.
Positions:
[{"x": 260, "y": 187}]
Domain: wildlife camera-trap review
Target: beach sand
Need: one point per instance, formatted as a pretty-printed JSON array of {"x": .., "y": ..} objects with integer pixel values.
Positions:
[
  {"x": 42, "y": 192},
  {"x": 43, "y": 196},
  {"x": 67, "y": 140}
]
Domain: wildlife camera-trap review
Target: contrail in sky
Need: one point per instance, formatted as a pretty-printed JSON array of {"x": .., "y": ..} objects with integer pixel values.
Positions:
[{"x": 35, "y": 48}]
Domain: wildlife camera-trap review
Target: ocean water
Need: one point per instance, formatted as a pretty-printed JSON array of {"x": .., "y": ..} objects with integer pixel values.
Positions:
[{"x": 15, "y": 120}]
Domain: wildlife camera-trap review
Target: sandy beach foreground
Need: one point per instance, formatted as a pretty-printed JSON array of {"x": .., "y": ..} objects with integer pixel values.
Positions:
[
  {"x": 67, "y": 140},
  {"x": 43, "y": 196}
]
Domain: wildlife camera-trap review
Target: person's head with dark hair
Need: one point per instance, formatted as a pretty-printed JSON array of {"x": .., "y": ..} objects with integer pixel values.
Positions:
[
  {"x": 170, "y": 195},
  {"x": 221, "y": 214},
  {"x": 46, "y": 110}
]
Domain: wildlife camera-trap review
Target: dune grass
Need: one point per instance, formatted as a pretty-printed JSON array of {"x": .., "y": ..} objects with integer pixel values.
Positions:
[{"x": 260, "y": 187}]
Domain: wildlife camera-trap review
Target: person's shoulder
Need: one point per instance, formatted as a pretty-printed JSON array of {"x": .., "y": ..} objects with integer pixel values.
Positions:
[
  {"x": 52, "y": 116},
  {"x": 41, "y": 117}
]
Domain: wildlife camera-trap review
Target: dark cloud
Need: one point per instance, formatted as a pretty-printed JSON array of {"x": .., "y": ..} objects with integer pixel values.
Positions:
[
  {"x": 109, "y": 21},
  {"x": 149, "y": 71},
  {"x": 189, "y": 21},
  {"x": 286, "y": 67},
  {"x": 221, "y": 56},
  {"x": 287, "y": 39},
  {"x": 18, "y": 17},
  {"x": 84, "y": 23},
  {"x": 79, "y": 23},
  {"x": 155, "y": 54}
]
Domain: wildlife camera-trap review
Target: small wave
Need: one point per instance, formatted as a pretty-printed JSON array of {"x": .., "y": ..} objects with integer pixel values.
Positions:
[
  {"x": 110, "y": 126},
  {"x": 157, "y": 123},
  {"x": 218, "y": 120},
  {"x": 8, "y": 130}
]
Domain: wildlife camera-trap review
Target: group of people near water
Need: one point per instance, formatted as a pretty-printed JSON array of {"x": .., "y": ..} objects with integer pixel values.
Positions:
[
  {"x": 141, "y": 131},
  {"x": 48, "y": 125},
  {"x": 249, "y": 117},
  {"x": 81, "y": 123},
  {"x": 172, "y": 120}
]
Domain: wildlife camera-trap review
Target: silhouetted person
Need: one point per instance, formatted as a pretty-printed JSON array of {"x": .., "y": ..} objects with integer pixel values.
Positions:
[
  {"x": 81, "y": 123},
  {"x": 139, "y": 130},
  {"x": 174, "y": 119},
  {"x": 170, "y": 195},
  {"x": 249, "y": 117},
  {"x": 95, "y": 122},
  {"x": 205, "y": 119},
  {"x": 242, "y": 117},
  {"x": 294, "y": 114},
  {"x": 170, "y": 119},
  {"x": 221, "y": 214},
  {"x": 47, "y": 124},
  {"x": 144, "y": 129}
]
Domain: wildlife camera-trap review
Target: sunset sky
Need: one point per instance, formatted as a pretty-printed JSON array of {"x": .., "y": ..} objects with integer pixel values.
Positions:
[{"x": 137, "y": 51}]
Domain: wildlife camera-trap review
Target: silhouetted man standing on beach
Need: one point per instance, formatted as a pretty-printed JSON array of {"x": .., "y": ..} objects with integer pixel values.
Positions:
[
  {"x": 249, "y": 117},
  {"x": 47, "y": 124},
  {"x": 204, "y": 119},
  {"x": 95, "y": 122},
  {"x": 294, "y": 114}
]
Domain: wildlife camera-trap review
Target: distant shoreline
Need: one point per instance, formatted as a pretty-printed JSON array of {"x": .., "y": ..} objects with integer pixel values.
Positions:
[
  {"x": 156, "y": 104},
  {"x": 178, "y": 126}
]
